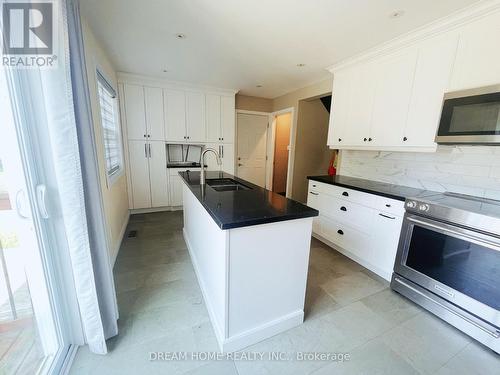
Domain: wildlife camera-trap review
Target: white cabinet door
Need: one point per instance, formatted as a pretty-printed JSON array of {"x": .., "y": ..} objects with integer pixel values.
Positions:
[
  {"x": 176, "y": 190},
  {"x": 175, "y": 115},
  {"x": 363, "y": 80},
  {"x": 386, "y": 229},
  {"x": 195, "y": 116},
  {"x": 478, "y": 54},
  {"x": 213, "y": 118},
  {"x": 392, "y": 97},
  {"x": 139, "y": 174},
  {"x": 158, "y": 174},
  {"x": 432, "y": 78},
  {"x": 135, "y": 113},
  {"x": 227, "y": 156},
  {"x": 154, "y": 113},
  {"x": 227, "y": 119},
  {"x": 339, "y": 114}
]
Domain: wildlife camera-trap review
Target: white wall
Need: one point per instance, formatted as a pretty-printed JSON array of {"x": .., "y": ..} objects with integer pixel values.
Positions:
[
  {"x": 471, "y": 170},
  {"x": 115, "y": 197}
]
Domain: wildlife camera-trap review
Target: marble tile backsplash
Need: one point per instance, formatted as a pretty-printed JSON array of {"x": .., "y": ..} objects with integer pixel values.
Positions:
[{"x": 473, "y": 170}]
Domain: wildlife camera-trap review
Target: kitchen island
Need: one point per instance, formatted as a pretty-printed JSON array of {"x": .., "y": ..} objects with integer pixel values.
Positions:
[{"x": 250, "y": 250}]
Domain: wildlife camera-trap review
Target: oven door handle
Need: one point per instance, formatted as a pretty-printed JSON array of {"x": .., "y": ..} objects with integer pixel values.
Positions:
[
  {"x": 444, "y": 229},
  {"x": 494, "y": 334}
]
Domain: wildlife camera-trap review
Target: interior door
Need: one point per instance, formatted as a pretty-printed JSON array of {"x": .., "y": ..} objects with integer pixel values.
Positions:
[
  {"x": 135, "y": 111},
  {"x": 154, "y": 113},
  {"x": 227, "y": 119},
  {"x": 213, "y": 118},
  {"x": 175, "y": 115},
  {"x": 158, "y": 174},
  {"x": 195, "y": 116},
  {"x": 139, "y": 174},
  {"x": 251, "y": 147},
  {"x": 281, "y": 152}
]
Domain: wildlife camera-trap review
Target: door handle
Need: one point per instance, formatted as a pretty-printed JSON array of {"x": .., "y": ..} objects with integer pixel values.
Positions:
[
  {"x": 146, "y": 150},
  {"x": 222, "y": 151},
  {"x": 149, "y": 148},
  {"x": 41, "y": 195},
  {"x": 20, "y": 204},
  {"x": 240, "y": 165}
]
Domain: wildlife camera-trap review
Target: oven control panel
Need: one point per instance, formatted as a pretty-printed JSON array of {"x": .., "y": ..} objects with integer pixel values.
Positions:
[{"x": 412, "y": 205}]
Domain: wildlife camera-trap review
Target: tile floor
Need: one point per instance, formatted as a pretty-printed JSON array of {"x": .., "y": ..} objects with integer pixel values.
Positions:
[{"x": 348, "y": 310}]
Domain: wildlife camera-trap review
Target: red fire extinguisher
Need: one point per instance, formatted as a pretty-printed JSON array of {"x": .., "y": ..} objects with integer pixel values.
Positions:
[{"x": 331, "y": 169}]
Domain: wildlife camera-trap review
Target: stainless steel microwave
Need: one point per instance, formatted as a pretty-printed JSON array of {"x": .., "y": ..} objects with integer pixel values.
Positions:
[{"x": 470, "y": 117}]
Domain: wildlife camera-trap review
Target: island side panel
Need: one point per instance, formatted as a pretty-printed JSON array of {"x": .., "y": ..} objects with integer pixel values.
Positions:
[
  {"x": 206, "y": 243},
  {"x": 267, "y": 280}
]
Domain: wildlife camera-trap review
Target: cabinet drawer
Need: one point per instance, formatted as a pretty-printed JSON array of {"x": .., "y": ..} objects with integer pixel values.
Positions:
[
  {"x": 390, "y": 206},
  {"x": 175, "y": 171},
  {"x": 346, "y": 237},
  {"x": 351, "y": 195},
  {"x": 347, "y": 212}
]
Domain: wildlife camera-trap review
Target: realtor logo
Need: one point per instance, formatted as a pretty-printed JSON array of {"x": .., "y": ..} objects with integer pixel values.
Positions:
[{"x": 27, "y": 28}]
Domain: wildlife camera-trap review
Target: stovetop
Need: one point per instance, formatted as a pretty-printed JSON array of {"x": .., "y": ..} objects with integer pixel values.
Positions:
[{"x": 477, "y": 212}]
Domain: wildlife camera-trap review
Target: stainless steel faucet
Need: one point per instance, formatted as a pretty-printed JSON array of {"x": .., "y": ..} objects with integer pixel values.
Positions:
[{"x": 202, "y": 172}]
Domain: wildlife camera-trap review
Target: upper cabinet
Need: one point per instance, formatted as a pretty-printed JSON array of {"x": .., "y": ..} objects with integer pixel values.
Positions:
[
  {"x": 220, "y": 118},
  {"x": 175, "y": 115},
  {"x": 478, "y": 54},
  {"x": 391, "y": 99},
  {"x": 155, "y": 121},
  {"x": 195, "y": 117},
  {"x": 228, "y": 116},
  {"x": 133, "y": 97}
]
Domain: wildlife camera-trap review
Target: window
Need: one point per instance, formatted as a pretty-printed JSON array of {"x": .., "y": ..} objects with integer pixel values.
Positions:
[{"x": 108, "y": 103}]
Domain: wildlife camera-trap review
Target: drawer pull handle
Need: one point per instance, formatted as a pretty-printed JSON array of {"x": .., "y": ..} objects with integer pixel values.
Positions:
[
  {"x": 345, "y": 194},
  {"x": 388, "y": 205},
  {"x": 340, "y": 231},
  {"x": 388, "y": 217},
  {"x": 313, "y": 193},
  {"x": 343, "y": 208}
]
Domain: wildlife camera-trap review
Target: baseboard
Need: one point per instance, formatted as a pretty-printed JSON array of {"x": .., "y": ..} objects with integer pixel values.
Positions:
[
  {"x": 383, "y": 274},
  {"x": 217, "y": 330},
  {"x": 263, "y": 332},
  {"x": 154, "y": 209},
  {"x": 121, "y": 236}
]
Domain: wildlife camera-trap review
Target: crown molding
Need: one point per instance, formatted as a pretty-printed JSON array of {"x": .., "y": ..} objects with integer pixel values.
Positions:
[
  {"x": 453, "y": 21},
  {"x": 140, "y": 79}
]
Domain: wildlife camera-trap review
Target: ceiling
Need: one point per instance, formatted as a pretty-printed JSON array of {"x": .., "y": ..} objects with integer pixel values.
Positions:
[{"x": 244, "y": 43}]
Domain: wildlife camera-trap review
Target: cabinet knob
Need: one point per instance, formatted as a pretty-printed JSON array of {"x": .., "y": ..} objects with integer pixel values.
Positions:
[
  {"x": 340, "y": 139},
  {"x": 343, "y": 208},
  {"x": 345, "y": 194},
  {"x": 340, "y": 231},
  {"x": 369, "y": 139},
  {"x": 405, "y": 139},
  {"x": 144, "y": 135},
  {"x": 365, "y": 139}
]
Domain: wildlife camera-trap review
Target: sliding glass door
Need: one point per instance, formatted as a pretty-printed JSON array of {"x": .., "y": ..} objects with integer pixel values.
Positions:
[{"x": 32, "y": 334}]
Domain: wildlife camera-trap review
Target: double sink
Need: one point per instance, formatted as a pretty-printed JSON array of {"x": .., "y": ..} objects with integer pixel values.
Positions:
[{"x": 226, "y": 184}]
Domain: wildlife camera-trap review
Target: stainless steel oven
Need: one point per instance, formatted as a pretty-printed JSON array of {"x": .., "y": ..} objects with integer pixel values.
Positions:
[
  {"x": 471, "y": 117},
  {"x": 448, "y": 261}
]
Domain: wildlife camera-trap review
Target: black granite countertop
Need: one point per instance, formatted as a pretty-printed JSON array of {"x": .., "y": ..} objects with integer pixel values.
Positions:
[
  {"x": 241, "y": 208},
  {"x": 183, "y": 165},
  {"x": 393, "y": 191}
]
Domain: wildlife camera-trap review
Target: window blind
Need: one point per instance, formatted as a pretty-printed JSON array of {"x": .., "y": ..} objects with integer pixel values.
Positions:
[{"x": 109, "y": 123}]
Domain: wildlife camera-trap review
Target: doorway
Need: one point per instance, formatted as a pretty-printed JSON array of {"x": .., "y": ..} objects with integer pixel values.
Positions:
[
  {"x": 251, "y": 129},
  {"x": 281, "y": 152}
]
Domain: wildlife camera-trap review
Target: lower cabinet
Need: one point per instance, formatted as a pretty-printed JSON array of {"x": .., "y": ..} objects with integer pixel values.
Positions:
[
  {"x": 147, "y": 174},
  {"x": 364, "y": 227}
]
